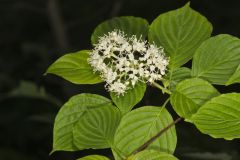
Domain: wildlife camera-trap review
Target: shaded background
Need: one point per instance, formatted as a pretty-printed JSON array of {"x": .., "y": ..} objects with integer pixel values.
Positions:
[{"x": 34, "y": 33}]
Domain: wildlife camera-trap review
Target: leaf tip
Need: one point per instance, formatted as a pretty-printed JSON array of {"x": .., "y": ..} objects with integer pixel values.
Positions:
[
  {"x": 187, "y": 4},
  {"x": 228, "y": 139},
  {"x": 48, "y": 70},
  {"x": 228, "y": 83},
  {"x": 45, "y": 73},
  {"x": 53, "y": 150},
  {"x": 188, "y": 120}
]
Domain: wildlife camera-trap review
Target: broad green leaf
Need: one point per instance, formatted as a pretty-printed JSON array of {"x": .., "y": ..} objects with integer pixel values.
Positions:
[
  {"x": 130, "y": 25},
  {"x": 152, "y": 155},
  {"x": 217, "y": 59},
  {"x": 220, "y": 117},
  {"x": 190, "y": 95},
  {"x": 180, "y": 32},
  {"x": 71, "y": 112},
  {"x": 235, "y": 78},
  {"x": 94, "y": 157},
  {"x": 97, "y": 127},
  {"x": 127, "y": 101},
  {"x": 176, "y": 76},
  {"x": 139, "y": 125},
  {"x": 75, "y": 68}
]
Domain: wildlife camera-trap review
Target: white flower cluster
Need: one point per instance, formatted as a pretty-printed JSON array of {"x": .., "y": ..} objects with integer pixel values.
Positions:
[{"x": 122, "y": 61}]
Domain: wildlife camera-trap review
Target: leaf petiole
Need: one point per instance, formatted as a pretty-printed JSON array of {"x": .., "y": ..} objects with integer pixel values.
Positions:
[{"x": 163, "y": 89}]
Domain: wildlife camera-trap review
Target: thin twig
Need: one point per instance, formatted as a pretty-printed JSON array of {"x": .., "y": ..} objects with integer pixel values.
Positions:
[{"x": 146, "y": 144}]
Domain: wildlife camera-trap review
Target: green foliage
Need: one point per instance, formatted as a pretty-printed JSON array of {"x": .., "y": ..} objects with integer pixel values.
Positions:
[
  {"x": 130, "y": 25},
  {"x": 235, "y": 78},
  {"x": 97, "y": 127},
  {"x": 176, "y": 76},
  {"x": 31, "y": 90},
  {"x": 180, "y": 32},
  {"x": 217, "y": 59},
  {"x": 69, "y": 115},
  {"x": 92, "y": 121},
  {"x": 137, "y": 126},
  {"x": 220, "y": 117},
  {"x": 152, "y": 155},
  {"x": 94, "y": 157},
  {"x": 75, "y": 68},
  {"x": 127, "y": 101},
  {"x": 190, "y": 95}
]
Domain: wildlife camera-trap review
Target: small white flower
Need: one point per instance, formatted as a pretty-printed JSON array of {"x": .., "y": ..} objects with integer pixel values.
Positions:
[
  {"x": 138, "y": 45},
  {"x": 117, "y": 87},
  {"x": 110, "y": 76},
  {"x": 122, "y": 61}
]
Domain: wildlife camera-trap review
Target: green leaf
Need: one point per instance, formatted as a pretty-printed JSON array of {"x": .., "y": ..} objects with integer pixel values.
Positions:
[
  {"x": 235, "y": 78},
  {"x": 152, "y": 155},
  {"x": 126, "y": 102},
  {"x": 180, "y": 32},
  {"x": 97, "y": 127},
  {"x": 30, "y": 90},
  {"x": 139, "y": 125},
  {"x": 130, "y": 25},
  {"x": 75, "y": 68},
  {"x": 217, "y": 59},
  {"x": 94, "y": 157},
  {"x": 71, "y": 112},
  {"x": 220, "y": 117},
  {"x": 190, "y": 95},
  {"x": 176, "y": 76}
]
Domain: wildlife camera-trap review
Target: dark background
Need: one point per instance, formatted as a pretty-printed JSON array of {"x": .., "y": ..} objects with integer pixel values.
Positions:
[{"x": 34, "y": 33}]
